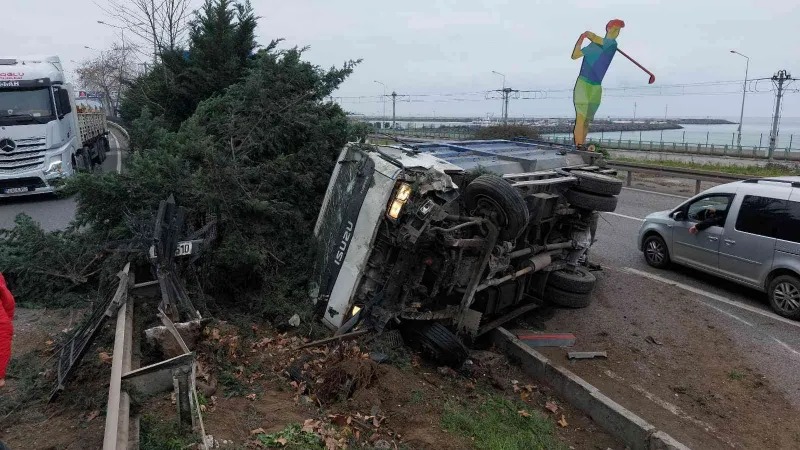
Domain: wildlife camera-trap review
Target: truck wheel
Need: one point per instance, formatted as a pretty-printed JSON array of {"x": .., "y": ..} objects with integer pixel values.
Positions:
[
  {"x": 568, "y": 299},
  {"x": 597, "y": 183},
  {"x": 85, "y": 160},
  {"x": 494, "y": 197},
  {"x": 592, "y": 202},
  {"x": 100, "y": 152},
  {"x": 784, "y": 296},
  {"x": 436, "y": 342},
  {"x": 578, "y": 280}
]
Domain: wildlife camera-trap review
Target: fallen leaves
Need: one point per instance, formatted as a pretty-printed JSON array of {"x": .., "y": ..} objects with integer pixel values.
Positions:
[
  {"x": 524, "y": 413},
  {"x": 552, "y": 407},
  {"x": 257, "y": 431},
  {"x": 251, "y": 397},
  {"x": 92, "y": 415},
  {"x": 105, "y": 357},
  {"x": 562, "y": 421}
]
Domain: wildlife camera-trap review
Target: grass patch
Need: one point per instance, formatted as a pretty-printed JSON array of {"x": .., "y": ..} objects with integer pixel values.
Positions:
[
  {"x": 292, "y": 437},
  {"x": 770, "y": 170},
  {"x": 498, "y": 425},
  {"x": 735, "y": 375},
  {"x": 233, "y": 387},
  {"x": 25, "y": 370},
  {"x": 158, "y": 435},
  {"x": 416, "y": 397}
]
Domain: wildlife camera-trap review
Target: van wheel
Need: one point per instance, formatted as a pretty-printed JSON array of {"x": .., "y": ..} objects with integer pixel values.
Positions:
[
  {"x": 784, "y": 296},
  {"x": 436, "y": 342},
  {"x": 495, "y": 198},
  {"x": 655, "y": 252}
]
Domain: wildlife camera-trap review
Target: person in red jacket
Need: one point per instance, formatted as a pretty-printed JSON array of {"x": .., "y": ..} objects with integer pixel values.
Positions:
[{"x": 6, "y": 327}]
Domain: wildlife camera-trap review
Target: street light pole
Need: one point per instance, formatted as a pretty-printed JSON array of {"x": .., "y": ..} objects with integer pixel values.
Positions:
[
  {"x": 744, "y": 92},
  {"x": 384, "y": 101}
]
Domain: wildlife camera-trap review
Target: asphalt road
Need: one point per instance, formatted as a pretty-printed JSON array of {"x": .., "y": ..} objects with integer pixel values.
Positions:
[
  {"x": 703, "y": 359},
  {"x": 51, "y": 212}
]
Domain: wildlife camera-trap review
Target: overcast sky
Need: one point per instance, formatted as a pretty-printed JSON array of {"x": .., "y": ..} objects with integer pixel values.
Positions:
[{"x": 452, "y": 47}]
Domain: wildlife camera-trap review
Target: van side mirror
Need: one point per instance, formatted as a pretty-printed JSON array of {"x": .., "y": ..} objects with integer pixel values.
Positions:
[{"x": 678, "y": 216}]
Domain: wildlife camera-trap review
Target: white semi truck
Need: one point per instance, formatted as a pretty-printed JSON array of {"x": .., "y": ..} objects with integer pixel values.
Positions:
[{"x": 44, "y": 137}]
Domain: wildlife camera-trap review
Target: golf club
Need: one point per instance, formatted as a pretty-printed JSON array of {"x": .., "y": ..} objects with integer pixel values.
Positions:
[{"x": 652, "y": 77}]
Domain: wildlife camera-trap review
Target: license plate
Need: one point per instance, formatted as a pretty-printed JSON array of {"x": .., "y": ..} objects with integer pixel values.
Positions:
[{"x": 16, "y": 190}]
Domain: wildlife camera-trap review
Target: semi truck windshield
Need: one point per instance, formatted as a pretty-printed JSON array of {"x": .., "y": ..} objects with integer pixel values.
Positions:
[{"x": 25, "y": 105}]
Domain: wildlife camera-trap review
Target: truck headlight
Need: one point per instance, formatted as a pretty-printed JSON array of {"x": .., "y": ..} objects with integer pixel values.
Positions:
[
  {"x": 401, "y": 195},
  {"x": 55, "y": 165}
]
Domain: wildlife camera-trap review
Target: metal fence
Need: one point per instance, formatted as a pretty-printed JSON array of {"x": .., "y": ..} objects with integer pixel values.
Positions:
[{"x": 755, "y": 151}]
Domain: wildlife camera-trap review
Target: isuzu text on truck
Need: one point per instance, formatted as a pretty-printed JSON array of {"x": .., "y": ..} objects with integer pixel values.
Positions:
[
  {"x": 413, "y": 238},
  {"x": 43, "y": 137}
]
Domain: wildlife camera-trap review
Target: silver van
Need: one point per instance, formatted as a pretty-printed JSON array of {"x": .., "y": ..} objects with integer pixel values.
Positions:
[{"x": 752, "y": 237}]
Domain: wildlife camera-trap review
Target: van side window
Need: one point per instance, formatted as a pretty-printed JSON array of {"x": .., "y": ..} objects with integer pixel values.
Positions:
[
  {"x": 761, "y": 215},
  {"x": 790, "y": 228}
]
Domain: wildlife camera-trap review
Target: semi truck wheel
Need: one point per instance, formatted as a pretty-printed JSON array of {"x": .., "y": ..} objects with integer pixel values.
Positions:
[
  {"x": 495, "y": 198},
  {"x": 592, "y": 202},
  {"x": 568, "y": 299},
  {"x": 84, "y": 160},
  {"x": 435, "y": 341},
  {"x": 578, "y": 280},
  {"x": 597, "y": 183},
  {"x": 100, "y": 152}
]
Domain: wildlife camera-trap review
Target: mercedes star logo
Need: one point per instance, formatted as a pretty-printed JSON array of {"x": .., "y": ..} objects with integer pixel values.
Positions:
[{"x": 7, "y": 145}]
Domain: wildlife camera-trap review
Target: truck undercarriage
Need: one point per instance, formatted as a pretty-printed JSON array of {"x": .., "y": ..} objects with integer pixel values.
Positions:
[{"x": 455, "y": 254}]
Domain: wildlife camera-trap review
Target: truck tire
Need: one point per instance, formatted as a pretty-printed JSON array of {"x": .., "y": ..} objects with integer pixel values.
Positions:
[
  {"x": 567, "y": 299},
  {"x": 435, "y": 341},
  {"x": 597, "y": 183},
  {"x": 592, "y": 202},
  {"x": 84, "y": 160},
  {"x": 496, "y": 196},
  {"x": 578, "y": 280},
  {"x": 99, "y": 152}
]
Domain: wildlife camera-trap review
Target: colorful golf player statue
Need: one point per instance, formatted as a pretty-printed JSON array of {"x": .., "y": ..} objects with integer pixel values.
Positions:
[{"x": 588, "y": 92}]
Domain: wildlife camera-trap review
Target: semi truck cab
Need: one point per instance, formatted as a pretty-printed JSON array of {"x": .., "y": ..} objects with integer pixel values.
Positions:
[{"x": 40, "y": 132}]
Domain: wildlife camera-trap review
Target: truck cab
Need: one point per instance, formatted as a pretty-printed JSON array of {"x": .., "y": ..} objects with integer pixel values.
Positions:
[{"x": 40, "y": 135}]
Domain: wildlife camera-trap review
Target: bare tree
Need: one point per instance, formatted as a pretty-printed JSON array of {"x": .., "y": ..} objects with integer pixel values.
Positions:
[
  {"x": 163, "y": 24},
  {"x": 108, "y": 73}
]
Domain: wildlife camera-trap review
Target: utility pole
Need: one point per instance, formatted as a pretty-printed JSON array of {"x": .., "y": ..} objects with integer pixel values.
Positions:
[
  {"x": 394, "y": 100},
  {"x": 634, "y": 113},
  {"x": 504, "y": 104},
  {"x": 778, "y": 80},
  {"x": 744, "y": 91}
]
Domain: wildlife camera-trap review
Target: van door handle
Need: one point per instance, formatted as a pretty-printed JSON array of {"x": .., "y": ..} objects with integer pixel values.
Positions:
[
  {"x": 729, "y": 242},
  {"x": 713, "y": 238}
]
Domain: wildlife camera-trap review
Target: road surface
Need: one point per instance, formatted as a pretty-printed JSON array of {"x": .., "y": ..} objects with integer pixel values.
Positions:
[
  {"x": 701, "y": 358},
  {"x": 51, "y": 212}
]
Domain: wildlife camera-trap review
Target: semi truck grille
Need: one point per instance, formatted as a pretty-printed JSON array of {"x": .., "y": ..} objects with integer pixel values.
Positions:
[
  {"x": 28, "y": 182},
  {"x": 29, "y": 155}
]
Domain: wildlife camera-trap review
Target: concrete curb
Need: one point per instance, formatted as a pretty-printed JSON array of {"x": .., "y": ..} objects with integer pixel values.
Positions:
[
  {"x": 119, "y": 128},
  {"x": 631, "y": 429}
]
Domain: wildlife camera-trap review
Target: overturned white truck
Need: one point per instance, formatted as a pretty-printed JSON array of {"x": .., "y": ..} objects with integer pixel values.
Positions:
[{"x": 413, "y": 237}]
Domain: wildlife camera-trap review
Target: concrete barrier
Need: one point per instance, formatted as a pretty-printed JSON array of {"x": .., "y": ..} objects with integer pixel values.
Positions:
[
  {"x": 119, "y": 128},
  {"x": 632, "y": 430}
]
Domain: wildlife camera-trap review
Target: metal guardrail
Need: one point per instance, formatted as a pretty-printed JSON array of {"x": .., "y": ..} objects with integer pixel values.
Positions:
[{"x": 676, "y": 172}]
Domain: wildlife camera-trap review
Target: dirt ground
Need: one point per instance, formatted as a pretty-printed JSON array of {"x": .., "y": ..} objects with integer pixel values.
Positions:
[
  {"x": 75, "y": 419},
  {"x": 695, "y": 385},
  {"x": 406, "y": 395}
]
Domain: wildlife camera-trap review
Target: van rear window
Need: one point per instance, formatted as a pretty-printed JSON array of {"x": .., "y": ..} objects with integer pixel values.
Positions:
[
  {"x": 761, "y": 215},
  {"x": 770, "y": 217}
]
